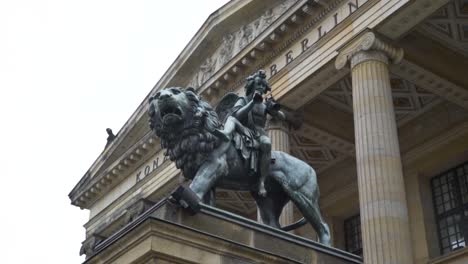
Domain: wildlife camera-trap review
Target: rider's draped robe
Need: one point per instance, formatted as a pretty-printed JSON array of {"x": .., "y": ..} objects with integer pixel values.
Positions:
[{"x": 246, "y": 138}]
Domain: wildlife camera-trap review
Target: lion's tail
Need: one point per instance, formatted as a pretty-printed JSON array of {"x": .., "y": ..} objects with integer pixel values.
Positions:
[{"x": 295, "y": 225}]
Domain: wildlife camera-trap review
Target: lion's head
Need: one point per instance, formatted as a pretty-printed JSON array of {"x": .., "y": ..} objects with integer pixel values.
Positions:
[
  {"x": 169, "y": 108},
  {"x": 184, "y": 123}
]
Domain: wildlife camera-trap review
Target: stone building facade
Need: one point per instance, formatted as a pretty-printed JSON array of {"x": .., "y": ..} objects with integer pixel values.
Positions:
[{"x": 383, "y": 89}]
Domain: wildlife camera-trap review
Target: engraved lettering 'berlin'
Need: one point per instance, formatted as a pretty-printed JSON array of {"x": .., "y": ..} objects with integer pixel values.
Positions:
[
  {"x": 315, "y": 34},
  {"x": 273, "y": 70}
]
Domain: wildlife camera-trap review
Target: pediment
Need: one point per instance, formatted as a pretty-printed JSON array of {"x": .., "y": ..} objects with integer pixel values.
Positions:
[{"x": 229, "y": 37}]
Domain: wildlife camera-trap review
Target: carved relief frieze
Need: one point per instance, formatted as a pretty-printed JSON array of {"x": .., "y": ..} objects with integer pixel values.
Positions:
[
  {"x": 304, "y": 37},
  {"x": 234, "y": 42}
]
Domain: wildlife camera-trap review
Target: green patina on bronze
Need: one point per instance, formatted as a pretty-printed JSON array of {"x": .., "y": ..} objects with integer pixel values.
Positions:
[{"x": 217, "y": 148}]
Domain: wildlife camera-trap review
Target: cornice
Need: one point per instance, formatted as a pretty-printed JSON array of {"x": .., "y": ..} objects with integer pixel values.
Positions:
[{"x": 94, "y": 186}]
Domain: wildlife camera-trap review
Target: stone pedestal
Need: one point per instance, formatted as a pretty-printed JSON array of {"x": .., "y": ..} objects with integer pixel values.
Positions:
[
  {"x": 279, "y": 134},
  {"x": 169, "y": 234},
  {"x": 384, "y": 214}
]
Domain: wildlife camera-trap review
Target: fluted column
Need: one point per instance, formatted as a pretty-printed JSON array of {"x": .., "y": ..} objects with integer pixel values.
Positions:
[
  {"x": 279, "y": 134},
  {"x": 382, "y": 198}
]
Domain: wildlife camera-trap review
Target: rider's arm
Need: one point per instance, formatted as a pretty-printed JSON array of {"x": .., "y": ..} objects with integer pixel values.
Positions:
[
  {"x": 273, "y": 108},
  {"x": 244, "y": 108}
]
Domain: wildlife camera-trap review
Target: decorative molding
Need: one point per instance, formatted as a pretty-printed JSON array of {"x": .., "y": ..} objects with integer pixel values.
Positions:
[{"x": 367, "y": 42}]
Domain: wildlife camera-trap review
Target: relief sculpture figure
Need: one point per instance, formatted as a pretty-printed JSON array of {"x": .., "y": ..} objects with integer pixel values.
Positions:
[{"x": 229, "y": 148}]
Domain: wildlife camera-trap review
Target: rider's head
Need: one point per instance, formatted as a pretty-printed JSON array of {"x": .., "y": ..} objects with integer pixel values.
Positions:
[{"x": 257, "y": 82}]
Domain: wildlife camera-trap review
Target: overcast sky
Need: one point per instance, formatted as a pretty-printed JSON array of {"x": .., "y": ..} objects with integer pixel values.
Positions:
[{"x": 68, "y": 70}]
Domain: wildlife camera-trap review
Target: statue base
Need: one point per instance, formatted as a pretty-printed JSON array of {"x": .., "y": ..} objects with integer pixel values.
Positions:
[{"x": 167, "y": 233}]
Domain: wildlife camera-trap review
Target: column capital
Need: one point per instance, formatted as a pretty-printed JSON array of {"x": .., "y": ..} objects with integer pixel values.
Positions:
[
  {"x": 277, "y": 124},
  {"x": 294, "y": 120},
  {"x": 368, "y": 46}
]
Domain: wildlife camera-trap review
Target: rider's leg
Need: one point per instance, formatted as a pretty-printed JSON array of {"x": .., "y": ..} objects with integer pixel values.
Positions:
[
  {"x": 265, "y": 160},
  {"x": 229, "y": 127}
]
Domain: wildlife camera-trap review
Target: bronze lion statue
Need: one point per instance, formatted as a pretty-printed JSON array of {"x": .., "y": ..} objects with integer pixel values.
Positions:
[{"x": 185, "y": 123}]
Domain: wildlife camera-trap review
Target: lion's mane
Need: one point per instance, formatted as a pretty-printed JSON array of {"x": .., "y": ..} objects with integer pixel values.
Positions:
[{"x": 190, "y": 143}]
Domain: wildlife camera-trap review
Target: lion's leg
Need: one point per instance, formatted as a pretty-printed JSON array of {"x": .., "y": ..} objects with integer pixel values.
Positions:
[
  {"x": 270, "y": 207},
  {"x": 300, "y": 182},
  {"x": 319, "y": 225},
  {"x": 309, "y": 207},
  {"x": 210, "y": 198},
  {"x": 209, "y": 172},
  {"x": 265, "y": 160}
]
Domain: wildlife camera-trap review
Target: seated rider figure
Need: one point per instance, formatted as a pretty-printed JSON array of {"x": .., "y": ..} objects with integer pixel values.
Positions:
[{"x": 251, "y": 111}]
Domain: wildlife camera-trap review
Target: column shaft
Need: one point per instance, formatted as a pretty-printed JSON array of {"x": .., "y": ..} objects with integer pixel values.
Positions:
[
  {"x": 384, "y": 214},
  {"x": 279, "y": 134}
]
